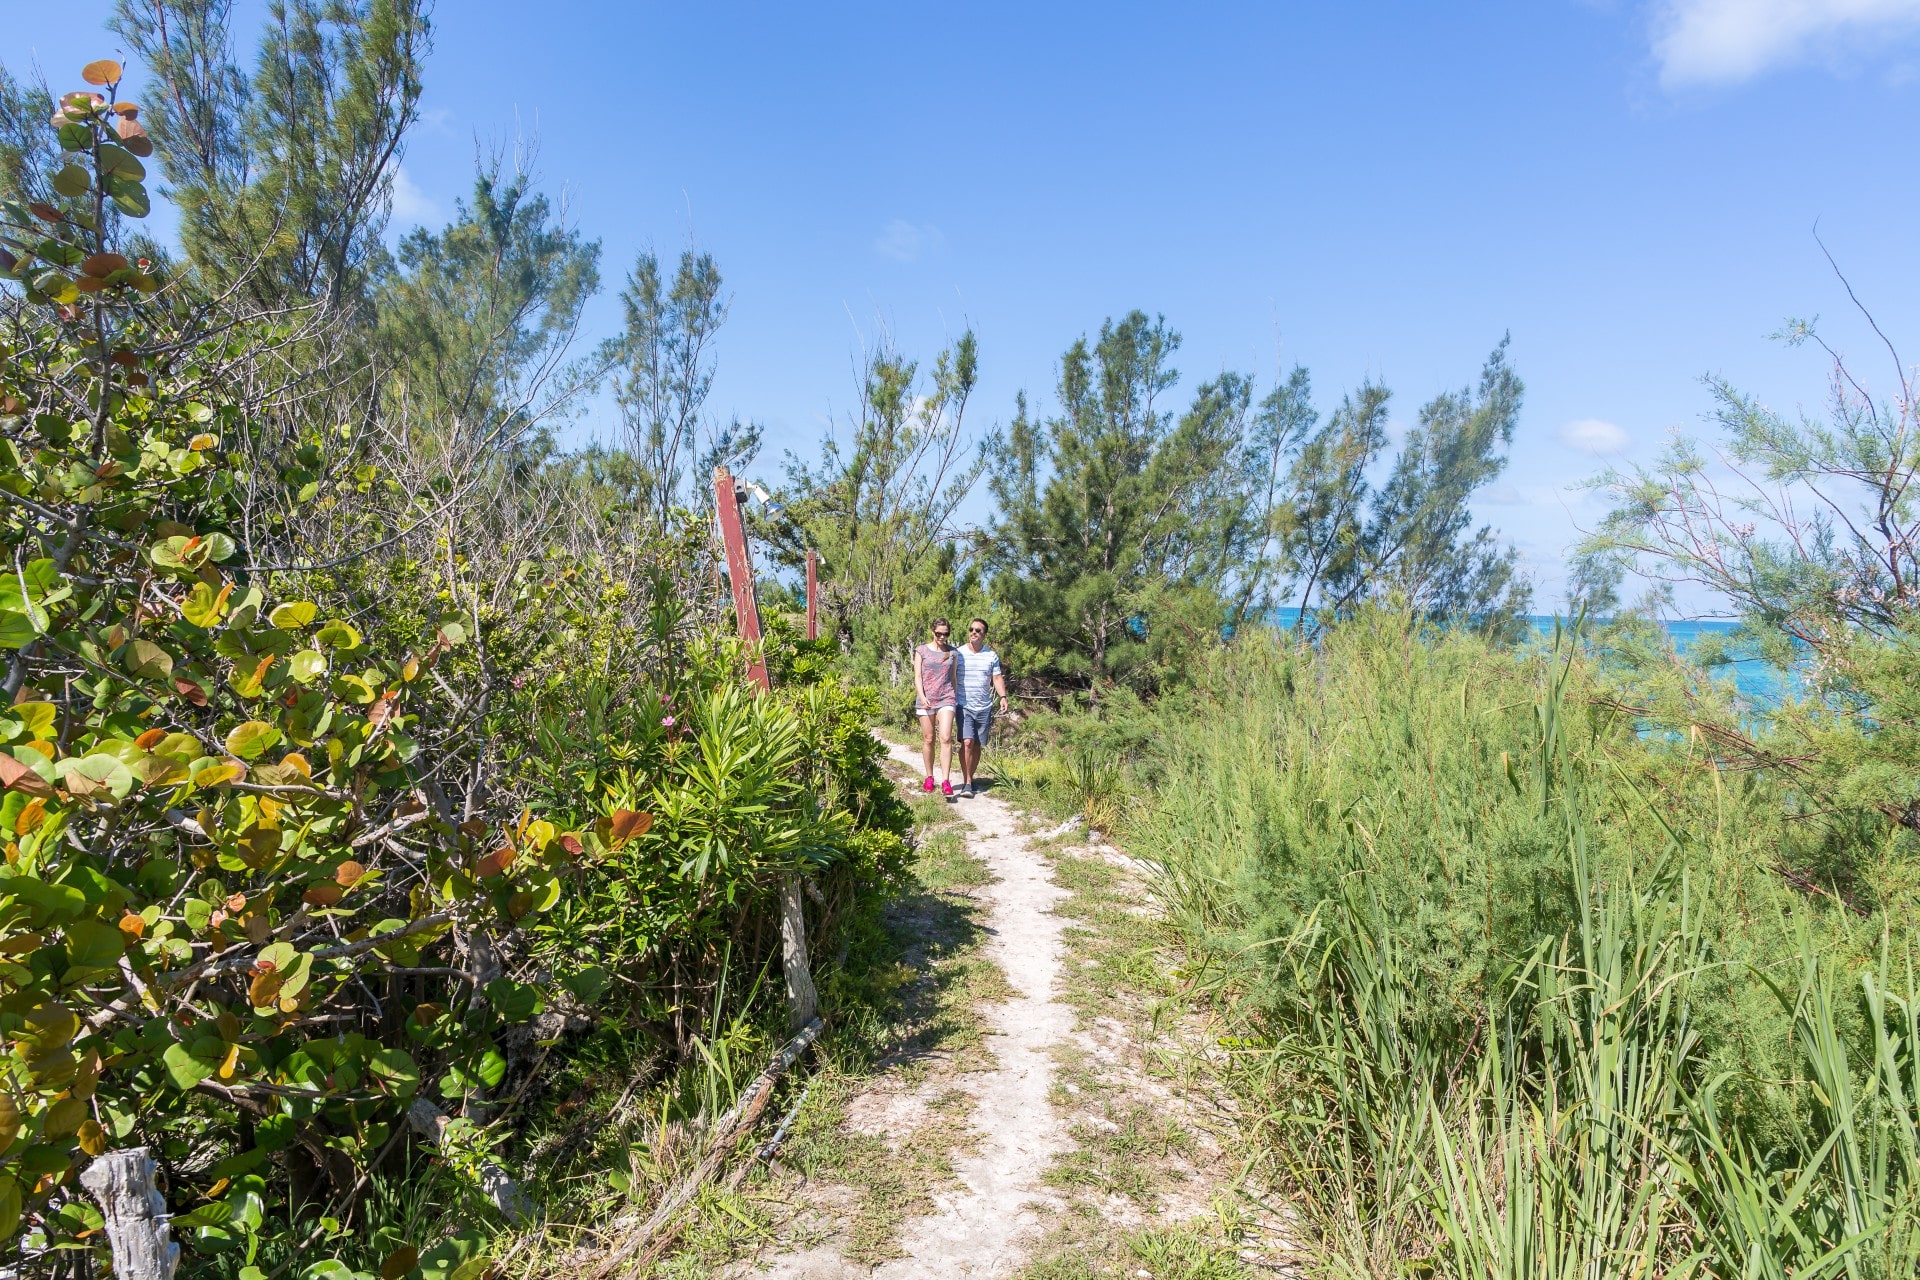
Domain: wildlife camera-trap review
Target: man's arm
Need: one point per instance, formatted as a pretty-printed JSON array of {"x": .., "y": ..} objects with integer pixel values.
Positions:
[{"x": 1000, "y": 684}]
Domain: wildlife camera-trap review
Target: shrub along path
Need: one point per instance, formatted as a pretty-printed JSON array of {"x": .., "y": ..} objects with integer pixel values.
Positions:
[{"x": 1081, "y": 1158}]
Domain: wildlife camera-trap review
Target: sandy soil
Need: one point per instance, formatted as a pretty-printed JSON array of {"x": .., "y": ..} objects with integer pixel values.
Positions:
[{"x": 978, "y": 1229}]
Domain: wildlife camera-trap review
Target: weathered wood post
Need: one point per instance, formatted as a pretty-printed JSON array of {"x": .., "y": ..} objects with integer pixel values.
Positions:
[
  {"x": 803, "y": 1001},
  {"x": 813, "y": 595},
  {"x": 136, "y": 1214},
  {"x": 733, "y": 536}
]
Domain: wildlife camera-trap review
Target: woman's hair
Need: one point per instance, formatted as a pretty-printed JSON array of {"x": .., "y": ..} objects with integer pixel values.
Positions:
[{"x": 940, "y": 622}]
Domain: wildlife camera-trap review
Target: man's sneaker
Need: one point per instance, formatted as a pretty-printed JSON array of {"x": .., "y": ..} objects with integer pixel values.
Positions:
[
  {"x": 945, "y": 787},
  {"x": 967, "y": 791},
  {"x": 927, "y": 786}
]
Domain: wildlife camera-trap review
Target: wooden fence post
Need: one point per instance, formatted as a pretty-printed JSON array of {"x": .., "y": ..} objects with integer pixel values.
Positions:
[
  {"x": 813, "y": 595},
  {"x": 803, "y": 1000},
  {"x": 733, "y": 537},
  {"x": 136, "y": 1214}
]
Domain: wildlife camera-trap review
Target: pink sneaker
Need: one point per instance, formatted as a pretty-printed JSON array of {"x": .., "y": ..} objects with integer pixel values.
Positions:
[
  {"x": 927, "y": 786},
  {"x": 946, "y": 787}
]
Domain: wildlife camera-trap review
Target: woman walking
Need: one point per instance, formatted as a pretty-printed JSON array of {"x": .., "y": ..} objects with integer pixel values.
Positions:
[{"x": 935, "y": 695}]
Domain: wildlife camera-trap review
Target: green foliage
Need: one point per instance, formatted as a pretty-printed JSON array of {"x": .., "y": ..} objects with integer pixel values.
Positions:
[
  {"x": 475, "y": 319},
  {"x": 1336, "y": 541},
  {"x": 1806, "y": 529},
  {"x": 216, "y": 842},
  {"x": 880, "y": 513},
  {"x": 1119, "y": 523},
  {"x": 663, "y": 370},
  {"x": 1129, "y": 538},
  {"x": 272, "y": 877},
  {"x": 283, "y": 181},
  {"x": 1523, "y": 992}
]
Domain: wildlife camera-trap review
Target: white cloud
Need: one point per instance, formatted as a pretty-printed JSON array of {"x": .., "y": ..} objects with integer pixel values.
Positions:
[
  {"x": 904, "y": 242},
  {"x": 1593, "y": 435},
  {"x": 411, "y": 205},
  {"x": 1700, "y": 42}
]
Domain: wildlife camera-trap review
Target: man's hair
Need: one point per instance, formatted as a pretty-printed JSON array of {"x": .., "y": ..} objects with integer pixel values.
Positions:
[
  {"x": 981, "y": 621},
  {"x": 940, "y": 622}
]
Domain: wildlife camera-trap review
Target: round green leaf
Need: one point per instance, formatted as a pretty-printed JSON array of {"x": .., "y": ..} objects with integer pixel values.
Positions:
[
  {"x": 118, "y": 162},
  {"x": 292, "y": 615},
  {"x": 338, "y": 635},
  {"x": 72, "y": 181},
  {"x": 307, "y": 665},
  {"x": 249, "y": 740},
  {"x": 148, "y": 660},
  {"x": 129, "y": 197}
]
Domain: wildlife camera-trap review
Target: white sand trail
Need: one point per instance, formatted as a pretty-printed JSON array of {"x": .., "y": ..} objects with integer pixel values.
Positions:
[{"x": 980, "y": 1228}]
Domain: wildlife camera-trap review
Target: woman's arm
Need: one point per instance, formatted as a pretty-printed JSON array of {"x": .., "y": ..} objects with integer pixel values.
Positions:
[{"x": 919, "y": 684}]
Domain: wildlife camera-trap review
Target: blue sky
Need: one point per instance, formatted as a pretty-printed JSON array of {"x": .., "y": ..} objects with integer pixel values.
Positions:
[{"x": 1370, "y": 189}]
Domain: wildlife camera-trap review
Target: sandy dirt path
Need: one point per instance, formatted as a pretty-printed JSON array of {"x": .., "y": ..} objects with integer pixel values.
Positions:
[{"x": 979, "y": 1228}]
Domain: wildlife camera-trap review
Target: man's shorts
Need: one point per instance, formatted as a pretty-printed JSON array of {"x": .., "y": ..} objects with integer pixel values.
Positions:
[{"x": 975, "y": 725}]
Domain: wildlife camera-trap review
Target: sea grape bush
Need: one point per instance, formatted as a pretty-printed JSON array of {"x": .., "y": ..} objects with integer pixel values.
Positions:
[
  {"x": 297, "y": 849},
  {"x": 232, "y": 924}
]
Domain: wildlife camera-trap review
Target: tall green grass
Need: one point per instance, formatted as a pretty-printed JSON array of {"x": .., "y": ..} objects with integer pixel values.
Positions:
[{"x": 1518, "y": 993}]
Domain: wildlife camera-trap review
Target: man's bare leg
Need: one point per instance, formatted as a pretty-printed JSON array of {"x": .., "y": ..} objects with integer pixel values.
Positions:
[{"x": 969, "y": 759}]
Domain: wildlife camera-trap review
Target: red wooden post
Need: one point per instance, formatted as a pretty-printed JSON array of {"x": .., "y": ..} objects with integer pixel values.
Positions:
[
  {"x": 733, "y": 535},
  {"x": 813, "y": 595}
]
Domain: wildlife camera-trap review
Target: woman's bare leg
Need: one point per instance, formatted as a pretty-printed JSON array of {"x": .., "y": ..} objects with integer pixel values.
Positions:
[
  {"x": 945, "y": 716},
  {"x": 926, "y": 743}
]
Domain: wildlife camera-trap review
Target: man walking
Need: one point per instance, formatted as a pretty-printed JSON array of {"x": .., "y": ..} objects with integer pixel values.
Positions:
[
  {"x": 980, "y": 679},
  {"x": 934, "y": 684}
]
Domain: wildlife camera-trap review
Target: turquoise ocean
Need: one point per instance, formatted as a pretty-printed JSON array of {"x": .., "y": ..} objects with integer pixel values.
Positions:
[{"x": 1760, "y": 682}]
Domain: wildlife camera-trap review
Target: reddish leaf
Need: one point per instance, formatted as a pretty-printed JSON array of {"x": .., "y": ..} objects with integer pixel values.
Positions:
[
  {"x": 102, "y": 265},
  {"x": 323, "y": 895},
  {"x": 189, "y": 690},
  {"x": 380, "y": 712},
  {"x": 627, "y": 824},
  {"x": 348, "y": 873},
  {"x": 496, "y": 862},
  {"x": 101, "y": 71},
  {"x": 150, "y": 739},
  {"x": 15, "y": 776},
  {"x": 571, "y": 843},
  {"x": 264, "y": 990}
]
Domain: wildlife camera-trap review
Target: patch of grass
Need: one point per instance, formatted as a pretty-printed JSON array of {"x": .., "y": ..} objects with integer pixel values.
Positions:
[
  {"x": 945, "y": 863},
  {"x": 1125, "y": 1148},
  {"x": 891, "y": 1181},
  {"x": 1186, "y": 1253},
  {"x": 1082, "y": 1245},
  {"x": 1119, "y": 951}
]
